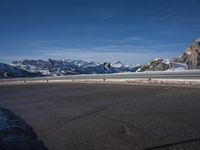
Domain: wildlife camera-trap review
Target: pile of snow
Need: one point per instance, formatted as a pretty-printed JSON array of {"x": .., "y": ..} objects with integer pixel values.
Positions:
[{"x": 179, "y": 66}]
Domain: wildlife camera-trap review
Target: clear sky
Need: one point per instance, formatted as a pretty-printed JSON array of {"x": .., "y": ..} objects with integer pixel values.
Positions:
[{"x": 133, "y": 31}]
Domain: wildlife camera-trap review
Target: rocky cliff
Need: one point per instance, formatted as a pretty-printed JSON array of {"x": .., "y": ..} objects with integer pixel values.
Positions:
[
  {"x": 190, "y": 59},
  {"x": 157, "y": 64},
  {"x": 191, "y": 56}
]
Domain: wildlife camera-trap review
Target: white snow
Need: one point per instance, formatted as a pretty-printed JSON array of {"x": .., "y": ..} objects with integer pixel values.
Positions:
[
  {"x": 188, "y": 52},
  {"x": 116, "y": 64},
  {"x": 156, "y": 59},
  {"x": 166, "y": 61},
  {"x": 179, "y": 66},
  {"x": 139, "y": 69}
]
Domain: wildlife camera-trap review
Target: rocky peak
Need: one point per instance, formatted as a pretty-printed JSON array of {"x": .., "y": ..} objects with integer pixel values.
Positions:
[
  {"x": 191, "y": 56},
  {"x": 197, "y": 41},
  {"x": 158, "y": 64}
]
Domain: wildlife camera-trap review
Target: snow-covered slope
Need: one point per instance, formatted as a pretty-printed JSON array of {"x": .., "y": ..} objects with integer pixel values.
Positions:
[{"x": 8, "y": 71}]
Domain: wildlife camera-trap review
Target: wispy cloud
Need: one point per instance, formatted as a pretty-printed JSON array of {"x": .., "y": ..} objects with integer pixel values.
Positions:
[
  {"x": 132, "y": 49},
  {"x": 134, "y": 40},
  {"x": 171, "y": 13},
  {"x": 129, "y": 58},
  {"x": 127, "y": 53}
]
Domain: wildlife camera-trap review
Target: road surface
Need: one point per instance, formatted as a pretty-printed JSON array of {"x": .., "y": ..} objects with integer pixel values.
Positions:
[{"x": 75, "y": 116}]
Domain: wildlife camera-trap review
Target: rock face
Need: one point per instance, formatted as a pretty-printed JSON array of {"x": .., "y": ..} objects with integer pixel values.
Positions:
[
  {"x": 192, "y": 56},
  {"x": 190, "y": 59},
  {"x": 157, "y": 64}
]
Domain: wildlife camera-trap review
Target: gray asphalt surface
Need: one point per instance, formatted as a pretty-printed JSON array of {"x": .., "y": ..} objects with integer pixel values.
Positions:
[{"x": 108, "y": 117}]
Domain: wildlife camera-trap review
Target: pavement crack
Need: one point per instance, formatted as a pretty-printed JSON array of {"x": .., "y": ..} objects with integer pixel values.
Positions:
[
  {"x": 85, "y": 115},
  {"x": 100, "y": 109}
]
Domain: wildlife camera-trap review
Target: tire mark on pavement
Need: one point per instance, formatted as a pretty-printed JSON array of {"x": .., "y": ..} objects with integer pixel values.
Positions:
[{"x": 173, "y": 144}]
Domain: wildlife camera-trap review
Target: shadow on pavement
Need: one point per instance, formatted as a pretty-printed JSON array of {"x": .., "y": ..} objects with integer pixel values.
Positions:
[{"x": 16, "y": 134}]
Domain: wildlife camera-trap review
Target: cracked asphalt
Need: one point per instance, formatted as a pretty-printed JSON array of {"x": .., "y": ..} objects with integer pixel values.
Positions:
[{"x": 74, "y": 116}]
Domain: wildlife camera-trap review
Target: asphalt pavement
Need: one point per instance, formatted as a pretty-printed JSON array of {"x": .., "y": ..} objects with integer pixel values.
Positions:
[{"x": 74, "y": 116}]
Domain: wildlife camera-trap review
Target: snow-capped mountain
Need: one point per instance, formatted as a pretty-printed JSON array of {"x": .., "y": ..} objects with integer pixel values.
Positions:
[
  {"x": 191, "y": 56},
  {"x": 161, "y": 64},
  {"x": 158, "y": 64},
  {"x": 52, "y": 67},
  {"x": 8, "y": 71}
]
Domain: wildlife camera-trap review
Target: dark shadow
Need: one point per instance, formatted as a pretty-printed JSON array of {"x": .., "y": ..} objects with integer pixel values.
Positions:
[
  {"x": 16, "y": 134},
  {"x": 173, "y": 144}
]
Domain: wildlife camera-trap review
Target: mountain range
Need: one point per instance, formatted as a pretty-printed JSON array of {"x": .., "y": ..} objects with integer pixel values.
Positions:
[
  {"x": 190, "y": 59},
  {"x": 50, "y": 67},
  {"x": 8, "y": 71}
]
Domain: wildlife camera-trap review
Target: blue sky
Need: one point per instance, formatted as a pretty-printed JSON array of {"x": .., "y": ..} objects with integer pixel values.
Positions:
[{"x": 133, "y": 31}]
